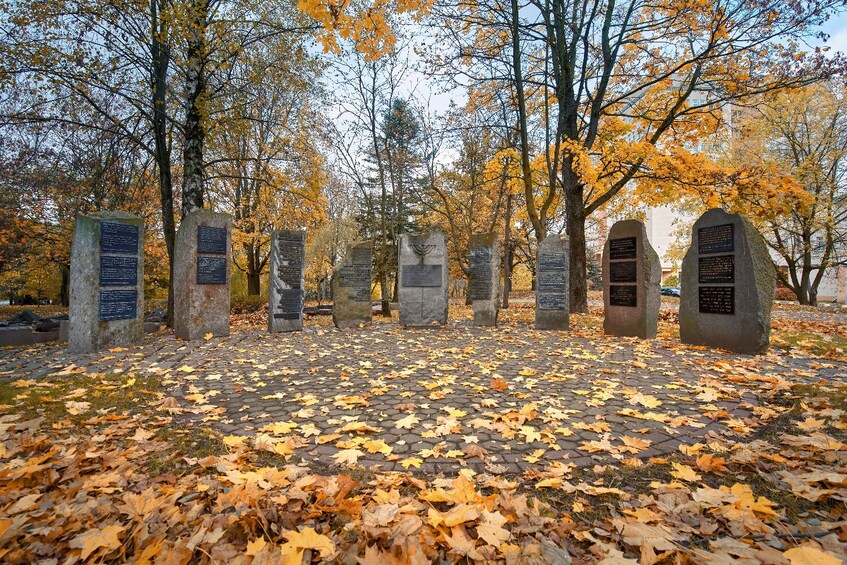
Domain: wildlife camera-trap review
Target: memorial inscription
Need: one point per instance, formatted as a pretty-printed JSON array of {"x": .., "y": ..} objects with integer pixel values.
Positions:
[
  {"x": 118, "y": 270},
  {"x": 551, "y": 272},
  {"x": 623, "y": 272},
  {"x": 716, "y": 239},
  {"x": 623, "y": 295},
  {"x": 118, "y": 238},
  {"x": 422, "y": 276},
  {"x": 211, "y": 270},
  {"x": 716, "y": 300},
  {"x": 623, "y": 248},
  {"x": 211, "y": 240},
  {"x": 480, "y": 270},
  {"x": 551, "y": 301},
  {"x": 290, "y": 304},
  {"x": 716, "y": 269},
  {"x": 117, "y": 304}
]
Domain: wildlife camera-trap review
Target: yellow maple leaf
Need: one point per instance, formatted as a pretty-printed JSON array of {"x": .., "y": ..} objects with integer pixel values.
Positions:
[
  {"x": 685, "y": 473},
  {"x": 308, "y": 538},
  {"x": 808, "y": 555},
  {"x": 407, "y": 423},
  {"x": 234, "y": 441},
  {"x": 348, "y": 456},
  {"x": 90, "y": 541},
  {"x": 411, "y": 462},
  {"x": 207, "y": 336}
]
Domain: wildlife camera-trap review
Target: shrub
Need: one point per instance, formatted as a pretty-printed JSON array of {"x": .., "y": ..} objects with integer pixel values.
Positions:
[{"x": 671, "y": 280}]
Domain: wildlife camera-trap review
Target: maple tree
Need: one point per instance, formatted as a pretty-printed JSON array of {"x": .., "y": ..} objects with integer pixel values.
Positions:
[{"x": 788, "y": 177}]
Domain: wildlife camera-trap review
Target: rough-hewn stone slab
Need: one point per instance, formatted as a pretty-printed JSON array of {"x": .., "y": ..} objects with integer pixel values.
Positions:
[
  {"x": 424, "y": 278},
  {"x": 351, "y": 287},
  {"x": 107, "y": 282},
  {"x": 632, "y": 275},
  {"x": 728, "y": 283},
  {"x": 285, "y": 294},
  {"x": 552, "y": 303},
  {"x": 202, "y": 275},
  {"x": 484, "y": 266}
]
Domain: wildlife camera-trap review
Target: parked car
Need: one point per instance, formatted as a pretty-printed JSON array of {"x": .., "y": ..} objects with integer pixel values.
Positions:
[{"x": 670, "y": 290}]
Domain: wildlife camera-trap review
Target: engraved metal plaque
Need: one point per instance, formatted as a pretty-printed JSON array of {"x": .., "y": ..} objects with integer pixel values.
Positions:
[
  {"x": 716, "y": 300},
  {"x": 290, "y": 306},
  {"x": 716, "y": 269},
  {"x": 211, "y": 270},
  {"x": 118, "y": 270},
  {"x": 211, "y": 240},
  {"x": 424, "y": 276},
  {"x": 716, "y": 239},
  {"x": 623, "y": 295},
  {"x": 551, "y": 281},
  {"x": 118, "y": 238},
  {"x": 623, "y": 271},
  {"x": 118, "y": 305},
  {"x": 552, "y": 261},
  {"x": 623, "y": 248},
  {"x": 552, "y": 301},
  {"x": 480, "y": 271}
]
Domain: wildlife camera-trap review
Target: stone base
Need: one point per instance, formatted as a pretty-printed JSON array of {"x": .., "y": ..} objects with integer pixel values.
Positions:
[
  {"x": 552, "y": 320},
  {"x": 25, "y": 336},
  {"x": 485, "y": 318}
]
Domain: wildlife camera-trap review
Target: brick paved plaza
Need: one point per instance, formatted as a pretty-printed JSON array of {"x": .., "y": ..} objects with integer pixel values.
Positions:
[{"x": 501, "y": 400}]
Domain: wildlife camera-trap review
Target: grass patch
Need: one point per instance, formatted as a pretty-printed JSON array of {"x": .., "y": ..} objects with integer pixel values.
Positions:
[
  {"x": 78, "y": 397},
  {"x": 184, "y": 441},
  {"x": 831, "y": 346}
]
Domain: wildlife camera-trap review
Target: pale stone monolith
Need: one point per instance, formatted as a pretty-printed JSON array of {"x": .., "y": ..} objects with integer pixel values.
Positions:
[
  {"x": 202, "y": 275},
  {"x": 632, "y": 278},
  {"x": 484, "y": 268},
  {"x": 424, "y": 278},
  {"x": 107, "y": 282},
  {"x": 288, "y": 260},
  {"x": 727, "y": 285},
  {"x": 351, "y": 287},
  {"x": 552, "y": 303}
]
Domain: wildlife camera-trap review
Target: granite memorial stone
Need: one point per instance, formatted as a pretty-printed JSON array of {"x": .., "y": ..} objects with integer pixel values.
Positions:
[
  {"x": 202, "y": 275},
  {"x": 424, "y": 278},
  {"x": 552, "y": 303},
  {"x": 632, "y": 275},
  {"x": 351, "y": 287},
  {"x": 288, "y": 259},
  {"x": 484, "y": 267},
  {"x": 107, "y": 282},
  {"x": 728, "y": 284}
]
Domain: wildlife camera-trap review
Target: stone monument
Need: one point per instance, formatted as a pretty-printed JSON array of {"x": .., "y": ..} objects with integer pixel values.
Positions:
[
  {"x": 632, "y": 277},
  {"x": 285, "y": 294},
  {"x": 107, "y": 282},
  {"x": 727, "y": 285},
  {"x": 351, "y": 287},
  {"x": 202, "y": 275},
  {"x": 424, "y": 277},
  {"x": 484, "y": 267},
  {"x": 552, "y": 303}
]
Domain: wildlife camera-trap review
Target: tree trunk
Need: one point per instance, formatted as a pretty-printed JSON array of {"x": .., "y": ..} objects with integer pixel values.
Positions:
[
  {"x": 160, "y": 55},
  {"x": 254, "y": 287},
  {"x": 383, "y": 291},
  {"x": 576, "y": 234},
  {"x": 65, "y": 290},
  {"x": 507, "y": 254},
  {"x": 195, "y": 131}
]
